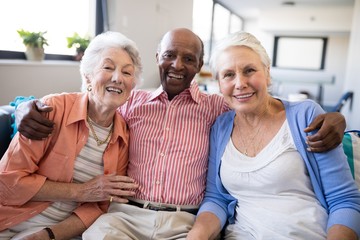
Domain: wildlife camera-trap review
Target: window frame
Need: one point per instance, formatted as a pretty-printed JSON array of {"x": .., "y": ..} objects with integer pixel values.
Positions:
[
  {"x": 231, "y": 13},
  {"x": 277, "y": 38},
  {"x": 101, "y": 25}
]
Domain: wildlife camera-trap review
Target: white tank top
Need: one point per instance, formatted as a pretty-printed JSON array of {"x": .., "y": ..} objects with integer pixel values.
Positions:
[{"x": 275, "y": 196}]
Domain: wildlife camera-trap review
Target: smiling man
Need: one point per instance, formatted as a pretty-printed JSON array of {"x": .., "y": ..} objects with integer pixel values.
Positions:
[
  {"x": 169, "y": 132},
  {"x": 179, "y": 58},
  {"x": 169, "y": 146}
]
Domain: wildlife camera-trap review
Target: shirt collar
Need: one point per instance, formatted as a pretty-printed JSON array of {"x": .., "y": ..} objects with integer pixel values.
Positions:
[
  {"x": 193, "y": 91},
  {"x": 79, "y": 109},
  {"x": 79, "y": 112}
]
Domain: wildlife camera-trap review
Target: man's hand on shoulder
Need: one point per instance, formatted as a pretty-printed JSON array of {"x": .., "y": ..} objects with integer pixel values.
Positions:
[
  {"x": 331, "y": 131},
  {"x": 30, "y": 122}
]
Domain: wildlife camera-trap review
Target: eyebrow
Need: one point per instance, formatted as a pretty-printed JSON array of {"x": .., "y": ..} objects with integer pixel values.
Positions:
[
  {"x": 129, "y": 65},
  {"x": 126, "y": 65}
]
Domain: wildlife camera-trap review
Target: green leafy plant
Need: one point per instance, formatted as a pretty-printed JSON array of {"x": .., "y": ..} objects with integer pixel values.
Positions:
[
  {"x": 80, "y": 43},
  {"x": 33, "y": 39}
]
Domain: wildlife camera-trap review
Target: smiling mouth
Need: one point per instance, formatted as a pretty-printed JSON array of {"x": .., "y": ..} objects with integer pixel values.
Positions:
[
  {"x": 244, "y": 96},
  {"x": 115, "y": 90},
  {"x": 176, "y": 76}
]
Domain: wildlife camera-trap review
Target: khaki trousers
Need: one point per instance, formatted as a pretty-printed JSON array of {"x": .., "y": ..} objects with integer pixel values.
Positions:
[{"x": 124, "y": 221}]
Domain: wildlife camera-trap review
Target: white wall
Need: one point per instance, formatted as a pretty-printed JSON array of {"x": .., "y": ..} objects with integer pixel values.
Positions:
[
  {"x": 352, "y": 77},
  {"x": 25, "y": 78},
  {"x": 335, "y": 23},
  {"x": 314, "y": 19},
  {"x": 143, "y": 21},
  {"x": 146, "y": 22}
]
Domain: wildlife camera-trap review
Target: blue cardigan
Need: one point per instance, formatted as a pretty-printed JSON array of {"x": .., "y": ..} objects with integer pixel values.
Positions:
[{"x": 329, "y": 172}]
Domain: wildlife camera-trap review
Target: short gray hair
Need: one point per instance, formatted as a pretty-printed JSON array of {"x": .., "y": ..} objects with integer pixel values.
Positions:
[
  {"x": 238, "y": 39},
  {"x": 103, "y": 42}
]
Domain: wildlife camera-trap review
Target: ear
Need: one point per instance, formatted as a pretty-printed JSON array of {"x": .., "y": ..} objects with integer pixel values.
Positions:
[
  {"x": 157, "y": 58},
  {"x": 87, "y": 79},
  {"x": 201, "y": 63}
]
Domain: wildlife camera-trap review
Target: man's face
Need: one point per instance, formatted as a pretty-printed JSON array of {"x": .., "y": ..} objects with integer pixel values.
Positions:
[{"x": 178, "y": 60}]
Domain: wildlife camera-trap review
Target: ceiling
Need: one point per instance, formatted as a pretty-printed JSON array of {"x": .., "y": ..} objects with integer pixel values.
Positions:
[{"x": 251, "y": 8}]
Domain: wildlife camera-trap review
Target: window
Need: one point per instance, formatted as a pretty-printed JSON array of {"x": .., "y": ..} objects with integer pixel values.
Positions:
[
  {"x": 221, "y": 23},
  {"x": 212, "y": 22},
  {"x": 299, "y": 52},
  {"x": 59, "y": 18},
  {"x": 202, "y": 18}
]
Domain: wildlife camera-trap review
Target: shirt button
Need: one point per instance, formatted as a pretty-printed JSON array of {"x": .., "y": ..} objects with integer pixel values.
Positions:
[
  {"x": 157, "y": 182},
  {"x": 162, "y": 154},
  {"x": 167, "y": 129}
]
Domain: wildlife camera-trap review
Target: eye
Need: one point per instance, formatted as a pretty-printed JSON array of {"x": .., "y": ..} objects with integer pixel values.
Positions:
[
  {"x": 168, "y": 55},
  {"x": 228, "y": 75},
  {"x": 189, "y": 59},
  {"x": 250, "y": 70},
  {"x": 108, "y": 67},
  {"x": 127, "y": 73}
]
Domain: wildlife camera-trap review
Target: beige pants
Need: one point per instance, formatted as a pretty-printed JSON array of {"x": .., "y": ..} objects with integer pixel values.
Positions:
[{"x": 125, "y": 221}]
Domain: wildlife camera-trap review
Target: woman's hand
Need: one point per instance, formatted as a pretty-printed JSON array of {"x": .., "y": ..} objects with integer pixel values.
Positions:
[
  {"x": 106, "y": 187},
  {"x": 342, "y": 232},
  {"x": 206, "y": 226},
  {"x": 101, "y": 188}
]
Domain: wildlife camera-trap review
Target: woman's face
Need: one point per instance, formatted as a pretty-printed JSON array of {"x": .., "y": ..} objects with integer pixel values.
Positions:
[
  {"x": 112, "y": 79},
  {"x": 243, "y": 79}
]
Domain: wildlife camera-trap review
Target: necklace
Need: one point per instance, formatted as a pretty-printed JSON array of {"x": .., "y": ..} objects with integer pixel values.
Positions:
[
  {"x": 98, "y": 141},
  {"x": 251, "y": 142},
  {"x": 252, "y": 139}
]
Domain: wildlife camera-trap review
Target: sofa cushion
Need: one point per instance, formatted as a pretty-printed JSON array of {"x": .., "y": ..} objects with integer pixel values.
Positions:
[
  {"x": 351, "y": 145},
  {"x": 6, "y": 129}
]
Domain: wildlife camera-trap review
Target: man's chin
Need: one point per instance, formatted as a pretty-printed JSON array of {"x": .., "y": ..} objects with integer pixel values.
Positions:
[{"x": 174, "y": 80}]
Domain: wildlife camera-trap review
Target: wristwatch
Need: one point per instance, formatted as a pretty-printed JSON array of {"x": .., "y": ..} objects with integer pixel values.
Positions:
[{"x": 50, "y": 233}]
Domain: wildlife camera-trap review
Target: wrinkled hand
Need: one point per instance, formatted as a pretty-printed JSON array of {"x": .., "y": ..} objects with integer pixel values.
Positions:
[
  {"x": 30, "y": 121},
  {"x": 103, "y": 187},
  {"x": 330, "y": 134}
]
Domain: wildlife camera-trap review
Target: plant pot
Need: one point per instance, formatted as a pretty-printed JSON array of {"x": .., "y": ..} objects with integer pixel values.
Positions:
[
  {"x": 34, "y": 54},
  {"x": 78, "y": 56}
]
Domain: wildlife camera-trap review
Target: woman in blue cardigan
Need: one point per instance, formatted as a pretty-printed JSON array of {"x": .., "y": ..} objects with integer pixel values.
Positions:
[{"x": 262, "y": 182}]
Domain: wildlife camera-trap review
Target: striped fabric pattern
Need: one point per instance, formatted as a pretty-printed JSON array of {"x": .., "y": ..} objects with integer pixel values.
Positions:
[
  {"x": 351, "y": 145},
  {"x": 169, "y": 143},
  {"x": 88, "y": 164}
]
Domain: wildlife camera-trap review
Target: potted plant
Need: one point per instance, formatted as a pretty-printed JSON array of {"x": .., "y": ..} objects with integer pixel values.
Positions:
[
  {"x": 80, "y": 44},
  {"x": 34, "y": 43}
]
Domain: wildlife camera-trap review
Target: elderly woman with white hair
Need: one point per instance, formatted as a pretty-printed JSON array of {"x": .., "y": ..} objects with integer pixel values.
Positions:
[
  {"x": 56, "y": 187},
  {"x": 262, "y": 183}
]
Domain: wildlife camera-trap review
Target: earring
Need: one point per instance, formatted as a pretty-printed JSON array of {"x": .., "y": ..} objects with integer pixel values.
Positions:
[{"x": 89, "y": 88}]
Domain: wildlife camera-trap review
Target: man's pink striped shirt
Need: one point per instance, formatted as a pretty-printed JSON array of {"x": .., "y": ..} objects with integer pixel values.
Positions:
[{"x": 169, "y": 143}]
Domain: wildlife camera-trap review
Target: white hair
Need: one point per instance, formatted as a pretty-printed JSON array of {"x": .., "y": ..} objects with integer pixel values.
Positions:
[
  {"x": 238, "y": 39},
  {"x": 103, "y": 42}
]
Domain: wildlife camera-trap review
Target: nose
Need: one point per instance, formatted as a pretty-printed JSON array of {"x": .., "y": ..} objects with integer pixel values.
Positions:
[
  {"x": 117, "y": 77},
  {"x": 240, "y": 81},
  {"x": 178, "y": 63}
]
